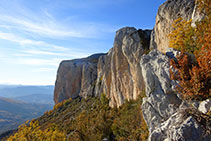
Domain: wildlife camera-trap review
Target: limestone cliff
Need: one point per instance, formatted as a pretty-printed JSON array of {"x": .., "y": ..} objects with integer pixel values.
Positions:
[
  {"x": 76, "y": 78},
  {"x": 119, "y": 72}
]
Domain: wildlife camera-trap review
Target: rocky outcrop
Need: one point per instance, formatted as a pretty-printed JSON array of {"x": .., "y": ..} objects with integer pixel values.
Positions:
[
  {"x": 181, "y": 127},
  {"x": 161, "y": 101},
  {"x": 167, "y": 13},
  {"x": 119, "y": 72},
  {"x": 76, "y": 78},
  {"x": 163, "y": 110}
]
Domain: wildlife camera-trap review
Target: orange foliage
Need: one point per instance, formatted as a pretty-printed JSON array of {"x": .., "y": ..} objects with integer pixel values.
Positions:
[
  {"x": 194, "y": 75},
  {"x": 195, "y": 78}
]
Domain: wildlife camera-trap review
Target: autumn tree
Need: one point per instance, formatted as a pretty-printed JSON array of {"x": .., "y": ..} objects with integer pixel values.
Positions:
[{"x": 194, "y": 75}]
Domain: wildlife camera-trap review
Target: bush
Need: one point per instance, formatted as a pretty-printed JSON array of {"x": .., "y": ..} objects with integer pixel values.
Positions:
[
  {"x": 87, "y": 119},
  {"x": 194, "y": 76}
]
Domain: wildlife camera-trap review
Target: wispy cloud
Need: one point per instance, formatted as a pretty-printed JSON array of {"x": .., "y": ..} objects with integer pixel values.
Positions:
[
  {"x": 38, "y": 62},
  {"x": 25, "y": 41},
  {"x": 70, "y": 54},
  {"x": 51, "y": 28},
  {"x": 44, "y": 70},
  {"x": 46, "y": 28},
  {"x": 35, "y": 50},
  {"x": 45, "y": 22},
  {"x": 36, "y": 37}
]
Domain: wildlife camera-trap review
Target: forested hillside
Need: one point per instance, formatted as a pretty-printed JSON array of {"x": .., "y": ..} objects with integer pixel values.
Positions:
[{"x": 87, "y": 119}]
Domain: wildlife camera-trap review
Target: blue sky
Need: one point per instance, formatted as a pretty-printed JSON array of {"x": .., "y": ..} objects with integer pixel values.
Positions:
[{"x": 36, "y": 35}]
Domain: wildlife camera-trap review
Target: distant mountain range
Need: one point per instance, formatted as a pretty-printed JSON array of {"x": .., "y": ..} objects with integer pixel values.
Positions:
[
  {"x": 13, "y": 113},
  {"x": 28, "y": 94},
  {"x": 19, "y": 103}
]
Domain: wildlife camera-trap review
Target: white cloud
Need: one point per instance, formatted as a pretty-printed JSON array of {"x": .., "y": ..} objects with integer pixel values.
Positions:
[
  {"x": 69, "y": 54},
  {"x": 38, "y": 62},
  {"x": 50, "y": 28},
  {"x": 39, "y": 52},
  {"x": 45, "y": 70},
  {"x": 24, "y": 41}
]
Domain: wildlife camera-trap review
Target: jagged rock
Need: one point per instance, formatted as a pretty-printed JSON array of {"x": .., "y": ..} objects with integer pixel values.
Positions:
[
  {"x": 167, "y": 13},
  {"x": 119, "y": 72},
  {"x": 196, "y": 16},
  {"x": 76, "y": 78},
  {"x": 165, "y": 113},
  {"x": 179, "y": 128},
  {"x": 161, "y": 101},
  {"x": 205, "y": 106}
]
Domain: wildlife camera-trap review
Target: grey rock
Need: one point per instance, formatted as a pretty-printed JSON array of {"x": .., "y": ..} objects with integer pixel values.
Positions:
[
  {"x": 161, "y": 100},
  {"x": 163, "y": 109},
  {"x": 179, "y": 128},
  {"x": 205, "y": 106}
]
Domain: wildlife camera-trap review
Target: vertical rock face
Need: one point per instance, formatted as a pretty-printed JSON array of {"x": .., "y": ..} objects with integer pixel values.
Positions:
[
  {"x": 119, "y": 72},
  {"x": 76, "y": 78},
  {"x": 167, "y": 13}
]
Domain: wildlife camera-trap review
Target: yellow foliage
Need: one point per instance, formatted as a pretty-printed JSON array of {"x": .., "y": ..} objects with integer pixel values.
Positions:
[
  {"x": 34, "y": 133},
  {"x": 194, "y": 76},
  {"x": 63, "y": 103},
  {"x": 182, "y": 37}
]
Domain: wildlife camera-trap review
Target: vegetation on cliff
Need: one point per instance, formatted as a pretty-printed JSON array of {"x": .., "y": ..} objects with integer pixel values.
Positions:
[
  {"x": 194, "y": 74},
  {"x": 87, "y": 119}
]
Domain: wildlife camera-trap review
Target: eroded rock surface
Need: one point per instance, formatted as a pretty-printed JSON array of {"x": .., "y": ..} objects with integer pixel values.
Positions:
[
  {"x": 162, "y": 108},
  {"x": 167, "y": 13},
  {"x": 161, "y": 101},
  {"x": 119, "y": 72},
  {"x": 180, "y": 127},
  {"x": 76, "y": 78}
]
